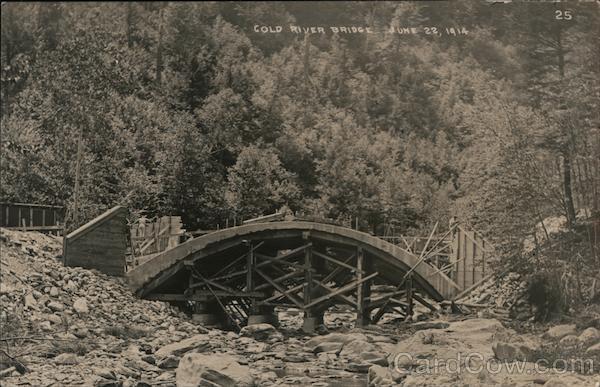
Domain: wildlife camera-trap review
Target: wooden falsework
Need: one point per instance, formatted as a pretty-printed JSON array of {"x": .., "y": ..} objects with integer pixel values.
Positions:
[
  {"x": 99, "y": 244},
  {"x": 344, "y": 289},
  {"x": 255, "y": 267}
]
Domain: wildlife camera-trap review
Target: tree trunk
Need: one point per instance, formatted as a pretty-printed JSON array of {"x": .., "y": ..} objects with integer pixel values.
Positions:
[
  {"x": 159, "y": 50},
  {"x": 129, "y": 24},
  {"x": 569, "y": 206},
  {"x": 567, "y": 186}
]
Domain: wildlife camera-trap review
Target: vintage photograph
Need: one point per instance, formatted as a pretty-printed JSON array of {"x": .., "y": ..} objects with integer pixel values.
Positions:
[{"x": 307, "y": 193}]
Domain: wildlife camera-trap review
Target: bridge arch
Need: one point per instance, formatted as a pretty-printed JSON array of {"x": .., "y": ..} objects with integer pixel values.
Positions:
[{"x": 307, "y": 265}]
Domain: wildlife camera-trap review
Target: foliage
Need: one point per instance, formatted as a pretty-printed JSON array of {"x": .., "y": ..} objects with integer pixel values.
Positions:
[{"x": 181, "y": 108}]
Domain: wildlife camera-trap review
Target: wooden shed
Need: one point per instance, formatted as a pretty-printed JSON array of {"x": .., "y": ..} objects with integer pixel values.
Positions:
[{"x": 99, "y": 244}]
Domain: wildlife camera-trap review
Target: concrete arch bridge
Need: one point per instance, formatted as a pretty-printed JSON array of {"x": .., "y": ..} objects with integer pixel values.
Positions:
[{"x": 241, "y": 274}]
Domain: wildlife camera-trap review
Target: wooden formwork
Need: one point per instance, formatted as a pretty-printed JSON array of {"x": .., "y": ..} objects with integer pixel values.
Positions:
[
  {"x": 151, "y": 236},
  {"x": 471, "y": 256}
]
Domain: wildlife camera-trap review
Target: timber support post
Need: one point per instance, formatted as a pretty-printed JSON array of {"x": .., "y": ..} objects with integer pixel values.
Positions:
[
  {"x": 258, "y": 314},
  {"x": 409, "y": 296},
  {"x": 312, "y": 316},
  {"x": 363, "y": 291}
]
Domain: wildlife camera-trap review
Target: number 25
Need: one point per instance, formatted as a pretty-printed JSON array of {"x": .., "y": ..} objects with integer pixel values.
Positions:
[{"x": 562, "y": 15}]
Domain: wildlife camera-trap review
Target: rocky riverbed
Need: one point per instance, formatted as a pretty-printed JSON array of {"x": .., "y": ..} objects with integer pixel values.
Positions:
[{"x": 66, "y": 326}]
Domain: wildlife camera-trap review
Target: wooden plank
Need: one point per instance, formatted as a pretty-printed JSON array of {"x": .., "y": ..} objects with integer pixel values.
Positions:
[
  {"x": 237, "y": 260},
  {"x": 424, "y": 302},
  {"x": 341, "y": 297},
  {"x": 460, "y": 259},
  {"x": 361, "y": 311},
  {"x": 477, "y": 275},
  {"x": 386, "y": 295},
  {"x": 295, "y": 273},
  {"x": 250, "y": 267},
  {"x": 288, "y": 291},
  {"x": 37, "y": 228},
  {"x": 341, "y": 290},
  {"x": 278, "y": 261},
  {"x": 308, "y": 289},
  {"x": 266, "y": 218},
  {"x": 205, "y": 282},
  {"x": 285, "y": 292},
  {"x": 335, "y": 261},
  {"x": 469, "y": 261}
]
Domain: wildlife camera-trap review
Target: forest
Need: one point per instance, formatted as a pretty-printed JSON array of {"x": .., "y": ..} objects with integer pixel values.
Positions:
[{"x": 183, "y": 109}]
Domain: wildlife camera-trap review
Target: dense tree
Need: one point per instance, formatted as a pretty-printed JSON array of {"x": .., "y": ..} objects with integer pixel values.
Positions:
[
  {"x": 181, "y": 108},
  {"x": 258, "y": 184}
]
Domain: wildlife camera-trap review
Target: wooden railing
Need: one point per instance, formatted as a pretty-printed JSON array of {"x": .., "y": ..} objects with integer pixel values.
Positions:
[{"x": 32, "y": 217}]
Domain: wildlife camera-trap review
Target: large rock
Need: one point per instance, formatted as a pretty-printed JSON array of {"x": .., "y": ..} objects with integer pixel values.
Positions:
[
  {"x": 568, "y": 380},
  {"x": 589, "y": 337},
  {"x": 429, "y": 325},
  {"x": 335, "y": 338},
  {"x": 67, "y": 359},
  {"x": 461, "y": 337},
  {"x": 30, "y": 301},
  {"x": 593, "y": 350},
  {"x": 221, "y": 370},
  {"x": 80, "y": 306},
  {"x": 329, "y": 347},
  {"x": 261, "y": 332},
  {"x": 356, "y": 347},
  {"x": 56, "y": 306},
  {"x": 521, "y": 348},
  {"x": 560, "y": 331},
  {"x": 569, "y": 341},
  {"x": 179, "y": 348}
]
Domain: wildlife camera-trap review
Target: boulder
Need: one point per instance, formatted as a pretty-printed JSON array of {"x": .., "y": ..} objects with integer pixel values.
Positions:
[
  {"x": 374, "y": 358},
  {"x": 379, "y": 376},
  {"x": 56, "y": 306},
  {"x": 329, "y": 347},
  {"x": 559, "y": 331},
  {"x": 593, "y": 350},
  {"x": 335, "y": 338},
  {"x": 429, "y": 325},
  {"x": 512, "y": 351},
  {"x": 356, "y": 347},
  {"x": 589, "y": 336},
  {"x": 169, "y": 362},
  {"x": 183, "y": 346},
  {"x": 261, "y": 332},
  {"x": 358, "y": 367},
  {"x": 6, "y": 288},
  {"x": 568, "y": 380},
  {"x": 53, "y": 318},
  {"x": 80, "y": 306},
  {"x": 30, "y": 301},
  {"x": 196, "y": 369},
  {"x": 569, "y": 341},
  {"x": 67, "y": 359}
]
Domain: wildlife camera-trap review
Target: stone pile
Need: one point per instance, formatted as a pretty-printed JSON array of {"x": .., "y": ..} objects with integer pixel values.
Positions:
[
  {"x": 507, "y": 293},
  {"x": 73, "y": 316}
]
